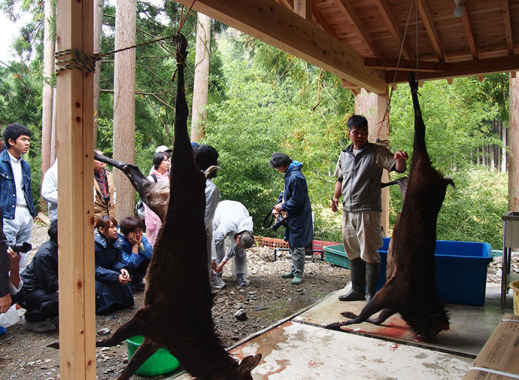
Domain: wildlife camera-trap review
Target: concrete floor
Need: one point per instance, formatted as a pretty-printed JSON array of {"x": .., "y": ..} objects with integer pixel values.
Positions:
[{"x": 301, "y": 349}]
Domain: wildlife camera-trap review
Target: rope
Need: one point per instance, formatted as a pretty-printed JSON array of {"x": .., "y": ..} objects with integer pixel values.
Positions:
[
  {"x": 404, "y": 36},
  {"x": 187, "y": 14},
  {"x": 75, "y": 59}
]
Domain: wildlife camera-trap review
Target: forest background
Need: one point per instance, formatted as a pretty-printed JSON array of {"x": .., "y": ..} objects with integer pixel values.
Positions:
[{"x": 262, "y": 100}]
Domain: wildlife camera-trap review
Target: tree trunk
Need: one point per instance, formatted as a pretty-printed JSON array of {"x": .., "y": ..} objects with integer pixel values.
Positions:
[
  {"x": 98, "y": 32},
  {"x": 53, "y": 152},
  {"x": 47, "y": 91},
  {"x": 201, "y": 85},
  {"x": 513, "y": 164},
  {"x": 124, "y": 103},
  {"x": 505, "y": 149}
]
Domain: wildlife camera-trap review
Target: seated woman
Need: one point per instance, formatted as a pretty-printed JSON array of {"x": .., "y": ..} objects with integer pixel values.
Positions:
[
  {"x": 136, "y": 250},
  {"x": 112, "y": 277}
]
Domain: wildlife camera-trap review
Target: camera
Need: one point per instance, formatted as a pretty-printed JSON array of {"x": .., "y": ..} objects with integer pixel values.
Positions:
[
  {"x": 21, "y": 248},
  {"x": 279, "y": 222}
]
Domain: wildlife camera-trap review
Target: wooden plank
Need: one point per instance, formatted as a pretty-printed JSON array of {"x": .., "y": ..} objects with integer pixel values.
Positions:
[
  {"x": 391, "y": 24},
  {"x": 277, "y": 26},
  {"x": 303, "y": 8},
  {"x": 426, "y": 16},
  {"x": 483, "y": 66},
  {"x": 75, "y": 125},
  {"x": 349, "y": 12},
  {"x": 403, "y": 65},
  {"x": 507, "y": 18},
  {"x": 467, "y": 26},
  {"x": 499, "y": 355}
]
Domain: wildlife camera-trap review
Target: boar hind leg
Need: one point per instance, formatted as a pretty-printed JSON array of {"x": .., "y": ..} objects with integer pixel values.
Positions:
[
  {"x": 377, "y": 303},
  {"x": 145, "y": 350},
  {"x": 135, "y": 326},
  {"x": 384, "y": 314}
]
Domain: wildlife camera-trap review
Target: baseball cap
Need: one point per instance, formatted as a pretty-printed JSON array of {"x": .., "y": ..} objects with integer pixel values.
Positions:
[{"x": 162, "y": 148}]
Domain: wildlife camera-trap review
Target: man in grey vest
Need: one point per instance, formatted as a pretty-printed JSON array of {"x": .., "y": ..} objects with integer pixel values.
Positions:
[{"x": 358, "y": 172}]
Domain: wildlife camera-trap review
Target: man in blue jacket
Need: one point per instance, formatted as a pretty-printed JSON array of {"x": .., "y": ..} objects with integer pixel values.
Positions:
[
  {"x": 295, "y": 204},
  {"x": 15, "y": 187}
]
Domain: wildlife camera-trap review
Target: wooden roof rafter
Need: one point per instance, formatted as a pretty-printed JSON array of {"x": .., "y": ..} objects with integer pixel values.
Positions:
[
  {"x": 427, "y": 18},
  {"x": 467, "y": 25},
  {"x": 392, "y": 25},
  {"x": 303, "y": 8},
  {"x": 508, "y": 26},
  {"x": 349, "y": 12}
]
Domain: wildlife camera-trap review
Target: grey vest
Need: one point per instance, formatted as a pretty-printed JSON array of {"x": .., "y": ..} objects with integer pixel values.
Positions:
[{"x": 361, "y": 176}]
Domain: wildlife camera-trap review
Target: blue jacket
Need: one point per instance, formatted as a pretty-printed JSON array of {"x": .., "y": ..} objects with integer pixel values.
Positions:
[
  {"x": 7, "y": 186},
  {"x": 132, "y": 260},
  {"x": 108, "y": 259},
  {"x": 299, "y": 232}
]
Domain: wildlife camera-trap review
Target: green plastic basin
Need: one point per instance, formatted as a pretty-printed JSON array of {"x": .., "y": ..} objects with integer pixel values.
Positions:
[{"x": 160, "y": 363}]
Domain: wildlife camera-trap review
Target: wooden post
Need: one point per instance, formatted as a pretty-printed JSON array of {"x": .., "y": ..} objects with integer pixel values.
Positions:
[
  {"x": 124, "y": 104},
  {"x": 77, "y": 328},
  {"x": 513, "y": 140},
  {"x": 374, "y": 108}
]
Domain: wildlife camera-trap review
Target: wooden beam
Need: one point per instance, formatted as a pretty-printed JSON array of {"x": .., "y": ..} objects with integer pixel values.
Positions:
[
  {"x": 508, "y": 26},
  {"x": 467, "y": 25},
  {"x": 349, "y": 12},
  {"x": 483, "y": 66},
  {"x": 75, "y": 127},
  {"x": 320, "y": 20},
  {"x": 391, "y": 24},
  {"x": 303, "y": 8},
  {"x": 403, "y": 65},
  {"x": 279, "y": 27},
  {"x": 426, "y": 16}
]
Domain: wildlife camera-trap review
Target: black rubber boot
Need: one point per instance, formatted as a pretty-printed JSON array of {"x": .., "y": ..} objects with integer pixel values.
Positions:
[
  {"x": 372, "y": 273},
  {"x": 358, "y": 281}
]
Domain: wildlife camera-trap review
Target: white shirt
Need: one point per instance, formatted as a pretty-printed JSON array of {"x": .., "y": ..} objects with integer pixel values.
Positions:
[
  {"x": 230, "y": 218},
  {"x": 49, "y": 189},
  {"x": 16, "y": 165}
]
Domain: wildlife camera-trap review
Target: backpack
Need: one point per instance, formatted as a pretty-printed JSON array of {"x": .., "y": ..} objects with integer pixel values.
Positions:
[{"x": 139, "y": 207}]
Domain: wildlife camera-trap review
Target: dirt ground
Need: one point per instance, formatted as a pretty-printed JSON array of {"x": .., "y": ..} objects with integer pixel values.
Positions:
[{"x": 268, "y": 298}]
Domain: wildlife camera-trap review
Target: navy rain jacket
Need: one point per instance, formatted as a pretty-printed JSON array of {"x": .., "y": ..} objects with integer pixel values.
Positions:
[{"x": 299, "y": 232}]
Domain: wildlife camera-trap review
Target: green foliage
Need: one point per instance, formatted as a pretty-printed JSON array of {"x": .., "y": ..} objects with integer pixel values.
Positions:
[
  {"x": 256, "y": 120},
  {"x": 262, "y": 100}
]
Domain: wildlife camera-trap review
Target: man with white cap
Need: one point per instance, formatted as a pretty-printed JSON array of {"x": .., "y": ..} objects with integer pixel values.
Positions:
[
  {"x": 162, "y": 149},
  {"x": 232, "y": 221}
]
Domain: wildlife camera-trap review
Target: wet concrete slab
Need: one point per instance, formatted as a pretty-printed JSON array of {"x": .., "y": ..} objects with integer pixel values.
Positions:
[
  {"x": 470, "y": 326},
  {"x": 300, "y": 348}
]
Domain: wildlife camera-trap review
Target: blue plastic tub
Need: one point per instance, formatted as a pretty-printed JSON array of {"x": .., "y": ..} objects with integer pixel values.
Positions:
[{"x": 461, "y": 270}]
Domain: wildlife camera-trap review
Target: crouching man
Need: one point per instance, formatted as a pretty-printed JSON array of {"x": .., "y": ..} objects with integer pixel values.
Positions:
[
  {"x": 39, "y": 294},
  {"x": 232, "y": 221}
]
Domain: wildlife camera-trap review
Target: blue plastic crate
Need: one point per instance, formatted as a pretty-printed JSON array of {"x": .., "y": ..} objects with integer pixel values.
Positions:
[{"x": 461, "y": 270}]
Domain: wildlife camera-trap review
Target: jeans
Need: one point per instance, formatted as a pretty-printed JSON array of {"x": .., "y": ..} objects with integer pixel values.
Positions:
[{"x": 298, "y": 261}]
